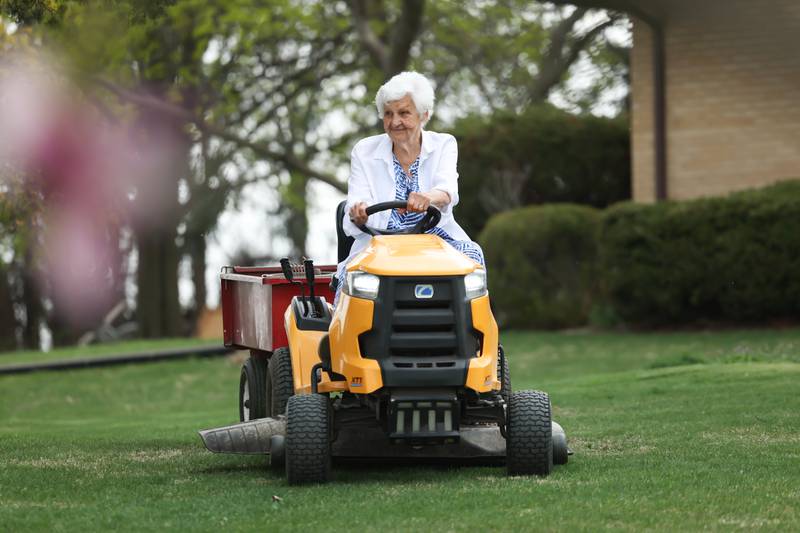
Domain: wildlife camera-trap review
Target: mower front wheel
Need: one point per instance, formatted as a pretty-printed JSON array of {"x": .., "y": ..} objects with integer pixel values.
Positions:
[
  {"x": 529, "y": 434},
  {"x": 308, "y": 445}
]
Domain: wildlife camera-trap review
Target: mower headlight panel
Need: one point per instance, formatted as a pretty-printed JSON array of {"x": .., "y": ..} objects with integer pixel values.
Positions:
[
  {"x": 362, "y": 285},
  {"x": 475, "y": 283}
]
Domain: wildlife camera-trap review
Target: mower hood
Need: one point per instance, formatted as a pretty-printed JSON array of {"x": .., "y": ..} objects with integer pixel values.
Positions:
[{"x": 411, "y": 255}]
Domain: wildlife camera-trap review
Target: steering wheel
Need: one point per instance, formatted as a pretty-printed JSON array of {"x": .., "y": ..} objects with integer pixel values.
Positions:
[{"x": 428, "y": 221}]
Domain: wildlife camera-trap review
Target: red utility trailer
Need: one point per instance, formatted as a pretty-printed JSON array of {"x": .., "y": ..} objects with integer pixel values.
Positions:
[{"x": 254, "y": 300}]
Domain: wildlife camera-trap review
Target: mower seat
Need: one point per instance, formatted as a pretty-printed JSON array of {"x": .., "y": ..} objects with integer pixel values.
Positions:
[{"x": 344, "y": 242}]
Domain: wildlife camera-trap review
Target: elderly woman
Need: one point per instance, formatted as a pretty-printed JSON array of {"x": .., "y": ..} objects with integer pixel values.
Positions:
[{"x": 407, "y": 163}]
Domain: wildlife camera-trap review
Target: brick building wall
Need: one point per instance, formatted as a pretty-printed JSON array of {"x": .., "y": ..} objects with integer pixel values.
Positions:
[{"x": 732, "y": 93}]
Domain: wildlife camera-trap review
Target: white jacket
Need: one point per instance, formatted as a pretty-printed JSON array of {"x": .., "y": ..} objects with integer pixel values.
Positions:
[{"x": 372, "y": 181}]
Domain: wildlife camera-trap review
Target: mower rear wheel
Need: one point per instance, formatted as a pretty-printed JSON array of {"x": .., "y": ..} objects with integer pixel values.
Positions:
[
  {"x": 308, "y": 446},
  {"x": 254, "y": 394},
  {"x": 281, "y": 379},
  {"x": 529, "y": 444}
]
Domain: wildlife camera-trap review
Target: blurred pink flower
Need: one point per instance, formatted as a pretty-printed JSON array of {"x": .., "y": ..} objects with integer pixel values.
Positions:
[
  {"x": 95, "y": 174},
  {"x": 79, "y": 261}
]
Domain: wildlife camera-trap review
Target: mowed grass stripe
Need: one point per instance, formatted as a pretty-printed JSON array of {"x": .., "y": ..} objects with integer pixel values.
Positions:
[{"x": 701, "y": 446}]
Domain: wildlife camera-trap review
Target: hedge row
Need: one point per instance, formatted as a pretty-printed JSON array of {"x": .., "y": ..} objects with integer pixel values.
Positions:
[
  {"x": 540, "y": 156},
  {"x": 542, "y": 265},
  {"x": 718, "y": 260}
]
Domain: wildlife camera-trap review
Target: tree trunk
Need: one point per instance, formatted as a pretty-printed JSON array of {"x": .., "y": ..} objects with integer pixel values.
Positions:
[
  {"x": 157, "y": 307},
  {"x": 34, "y": 310},
  {"x": 297, "y": 222},
  {"x": 120, "y": 272},
  {"x": 8, "y": 322},
  {"x": 197, "y": 252},
  {"x": 158, "y": 310}
]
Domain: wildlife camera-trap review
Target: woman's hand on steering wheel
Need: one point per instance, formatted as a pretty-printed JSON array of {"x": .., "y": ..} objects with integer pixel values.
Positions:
[
  {"x": 418, "y": 202},
  {"x": 358, "y": 214}
]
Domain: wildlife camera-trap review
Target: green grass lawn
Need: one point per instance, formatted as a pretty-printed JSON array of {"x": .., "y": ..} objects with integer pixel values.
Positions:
[{"x": 681, "y": 431}]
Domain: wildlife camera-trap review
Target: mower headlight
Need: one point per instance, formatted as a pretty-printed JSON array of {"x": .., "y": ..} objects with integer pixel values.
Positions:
[
  {"x": 362, "y": 285},
  {"x": 475, "y": 283}
]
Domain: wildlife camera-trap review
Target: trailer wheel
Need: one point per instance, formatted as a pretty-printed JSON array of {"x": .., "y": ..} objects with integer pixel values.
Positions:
[
  {"x": 308, "y": 446},
  {"x": 503, "y": 373},
  {"x": 281, "y": 379},
  {"x": 253, "y": 389},
  {"x": 529, "y": 444}
]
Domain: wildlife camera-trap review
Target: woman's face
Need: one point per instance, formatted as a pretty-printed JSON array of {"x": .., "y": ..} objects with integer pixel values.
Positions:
[{"x": 401, "y": 120}]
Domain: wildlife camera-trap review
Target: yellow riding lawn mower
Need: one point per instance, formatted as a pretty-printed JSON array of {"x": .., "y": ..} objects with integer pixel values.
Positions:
[{"x": 407, "y": 365}]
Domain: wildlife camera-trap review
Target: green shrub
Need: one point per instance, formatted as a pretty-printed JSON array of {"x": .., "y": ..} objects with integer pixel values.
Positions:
[
  {"x": 543, "y": 155},
  {"x": 541, "y": 264},
  {"x": 720, "y": 259}
]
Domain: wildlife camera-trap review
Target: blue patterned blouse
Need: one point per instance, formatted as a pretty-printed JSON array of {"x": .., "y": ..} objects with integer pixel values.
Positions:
[{"x": 404, "y": 185}]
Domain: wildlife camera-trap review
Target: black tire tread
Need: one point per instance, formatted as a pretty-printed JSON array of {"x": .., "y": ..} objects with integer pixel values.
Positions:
[
  {"x": 529, "y": 444},
  {"x": 281, "y": 380},
  {"x": 504, "y": 374},
  {"x": 261, "y": 365},
  {"x": 308, "y": 449},
  {"x": 254, "y": 373},
  {"x": 277, "y": 454}
]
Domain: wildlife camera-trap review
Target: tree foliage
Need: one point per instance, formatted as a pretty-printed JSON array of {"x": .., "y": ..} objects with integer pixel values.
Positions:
[{"x": 279, "y": 93}]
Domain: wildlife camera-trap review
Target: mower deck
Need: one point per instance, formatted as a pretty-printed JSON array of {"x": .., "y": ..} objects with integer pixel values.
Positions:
[{"x": 253, "y": 437}]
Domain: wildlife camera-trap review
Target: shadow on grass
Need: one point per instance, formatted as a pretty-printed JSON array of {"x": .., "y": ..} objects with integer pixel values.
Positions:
[
  {"x": 408, "y": 470},
  {"x": 247, "y": 466},
  {"x": 680, "y": 360},
  {"x": 374, "y": 463},
  {"x": 358, "y": 470}
]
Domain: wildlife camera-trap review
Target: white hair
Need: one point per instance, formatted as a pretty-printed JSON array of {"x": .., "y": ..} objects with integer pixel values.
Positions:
[{"x": 412, "y": 83}]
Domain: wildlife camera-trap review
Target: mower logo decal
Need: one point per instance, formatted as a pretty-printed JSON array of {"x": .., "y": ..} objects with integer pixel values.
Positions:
[{"x": 423, "y": 291}]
